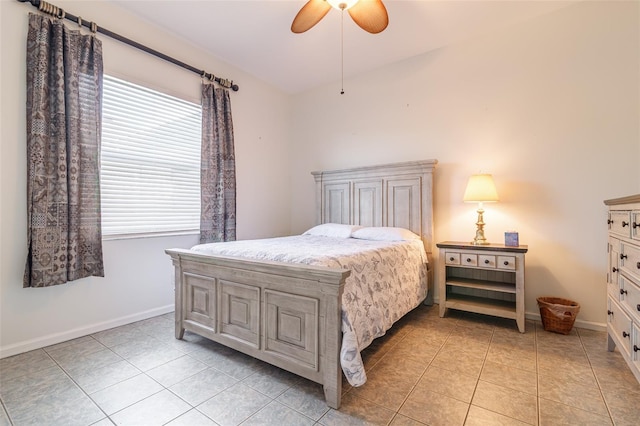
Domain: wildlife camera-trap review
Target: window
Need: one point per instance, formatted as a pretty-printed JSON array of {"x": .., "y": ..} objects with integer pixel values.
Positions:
[{"x": 150, "y": 171}]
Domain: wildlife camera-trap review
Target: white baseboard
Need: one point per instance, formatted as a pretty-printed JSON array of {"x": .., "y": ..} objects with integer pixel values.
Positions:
[
  {"x": 589, "y": 325},
  {"x": 52, "y": 339}
]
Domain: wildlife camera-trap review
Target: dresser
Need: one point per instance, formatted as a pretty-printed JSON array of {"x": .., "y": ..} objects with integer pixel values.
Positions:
[
  {"x": 623, "y": 279},
  {"x": 486, "y": 279}
]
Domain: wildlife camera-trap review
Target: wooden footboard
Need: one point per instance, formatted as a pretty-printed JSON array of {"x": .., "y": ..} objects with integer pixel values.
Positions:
[{"x": 288, "y": 315}]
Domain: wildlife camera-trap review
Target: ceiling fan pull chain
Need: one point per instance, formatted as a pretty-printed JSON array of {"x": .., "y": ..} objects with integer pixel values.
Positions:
[{"x": 342, "y": 51}]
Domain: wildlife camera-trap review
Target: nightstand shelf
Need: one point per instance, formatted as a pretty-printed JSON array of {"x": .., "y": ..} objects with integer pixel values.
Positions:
[
  {"x": 482, "y": 285},
  {"x": 487, "y": 279},
  {"x": 481, "y": 305}
]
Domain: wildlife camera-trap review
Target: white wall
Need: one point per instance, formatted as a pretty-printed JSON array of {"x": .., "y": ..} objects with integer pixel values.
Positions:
[
  {"x": 138, "y": 281},
  {"x": 550, "y": 108}
]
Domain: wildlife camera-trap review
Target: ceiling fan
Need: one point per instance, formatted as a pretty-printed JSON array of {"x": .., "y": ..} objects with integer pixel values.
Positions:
[{"x": 370, "y": 15}]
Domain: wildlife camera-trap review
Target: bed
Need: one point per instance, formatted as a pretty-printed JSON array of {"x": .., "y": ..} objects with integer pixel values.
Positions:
[{"x": 287, "y": 310}]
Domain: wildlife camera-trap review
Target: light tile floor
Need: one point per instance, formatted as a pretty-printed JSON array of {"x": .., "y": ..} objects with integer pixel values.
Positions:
[{"x": 463, "y": 369}]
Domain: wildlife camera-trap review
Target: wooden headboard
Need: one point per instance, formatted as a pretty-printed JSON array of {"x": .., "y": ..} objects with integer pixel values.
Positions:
[{"x": 398, "y": 194}]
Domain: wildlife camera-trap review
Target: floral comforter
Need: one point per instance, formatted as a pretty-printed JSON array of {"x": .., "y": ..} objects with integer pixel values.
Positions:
[{"x": 388, "y": 279}]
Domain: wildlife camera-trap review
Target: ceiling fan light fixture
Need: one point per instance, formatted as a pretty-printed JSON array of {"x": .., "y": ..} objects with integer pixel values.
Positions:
[{"x": 342, "y": 4}]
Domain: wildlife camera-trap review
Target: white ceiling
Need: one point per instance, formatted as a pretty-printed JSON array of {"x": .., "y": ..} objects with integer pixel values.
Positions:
[{"x": 255, "y": 35}]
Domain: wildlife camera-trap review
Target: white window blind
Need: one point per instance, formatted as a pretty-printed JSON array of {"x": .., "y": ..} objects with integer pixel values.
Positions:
[{"x": 150, "y": 170}]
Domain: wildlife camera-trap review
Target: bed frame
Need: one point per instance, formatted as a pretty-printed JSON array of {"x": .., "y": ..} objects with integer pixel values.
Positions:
[{"x": 289, "y": 315}]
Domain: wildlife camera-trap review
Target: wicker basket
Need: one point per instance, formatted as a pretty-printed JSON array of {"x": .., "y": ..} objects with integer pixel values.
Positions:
[{"x": 558, "y": 315}]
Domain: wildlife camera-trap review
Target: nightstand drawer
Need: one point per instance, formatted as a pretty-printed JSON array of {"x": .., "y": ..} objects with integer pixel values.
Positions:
[
  {"x": 486, "y": 261},
  {"x": 452, "y": 258},
  {"x": 467, "y": 259},
  {"x": 507, "y": 262}
]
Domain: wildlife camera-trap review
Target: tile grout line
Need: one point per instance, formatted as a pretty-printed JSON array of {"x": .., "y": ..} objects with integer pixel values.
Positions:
[
  {"x": 73, "y": 380},
  {"x": 595, "y": 375},
  {"x": 419, "y": 378}
]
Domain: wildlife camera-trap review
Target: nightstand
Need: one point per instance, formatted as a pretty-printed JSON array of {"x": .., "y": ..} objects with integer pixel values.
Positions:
[{"x": 486, "y": 279}]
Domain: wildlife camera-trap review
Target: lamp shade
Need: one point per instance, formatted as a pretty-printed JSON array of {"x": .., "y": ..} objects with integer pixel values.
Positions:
[{"x": 480, "y": 189}]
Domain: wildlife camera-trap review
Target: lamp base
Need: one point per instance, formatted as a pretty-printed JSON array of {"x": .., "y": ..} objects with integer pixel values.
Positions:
[{"x": 480, "y": 240}]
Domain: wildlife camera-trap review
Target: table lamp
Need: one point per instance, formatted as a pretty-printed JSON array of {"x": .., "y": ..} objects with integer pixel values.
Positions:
[{"x": 480, "y": 189}]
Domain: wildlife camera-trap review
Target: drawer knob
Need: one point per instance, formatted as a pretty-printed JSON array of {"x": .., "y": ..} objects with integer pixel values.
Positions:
[
  {"x": 638, "y": 265},
  {"x": 609, "y": 221},
  {"x": 614, "y": 269},
  {"x": 609, "y": 312},
  {"x": 625, "y": 223},
  {"x": 486, "y": 262},
  {"x": 638, "y": 307},
  {"x": 623, "y": 256},
  {"x": 636, "y": 348},
  {"x": 451, "y": 259},
  {"x": 625, "y": 334},
  {"x": 623, "y": 291},
  {"x": 506, "y": 263},
  {"x": 468, "y": 259},
  {"x": 635, "y": 225}
]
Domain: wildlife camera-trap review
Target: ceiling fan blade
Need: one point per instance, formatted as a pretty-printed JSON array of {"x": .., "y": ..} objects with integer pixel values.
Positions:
[
  {"x": 370, "y": 15},
  {"x": 310, "y": 14}
]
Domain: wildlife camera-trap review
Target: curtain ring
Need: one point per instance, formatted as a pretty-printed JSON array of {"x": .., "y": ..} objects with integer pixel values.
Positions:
[
  {"x": 204, "y": 74},
  {"x": 80, "y": 21},
  {"x": 212, "y": 77},
  {"x": 61, "y": 13},
  {"x": 94, "y": 27}
]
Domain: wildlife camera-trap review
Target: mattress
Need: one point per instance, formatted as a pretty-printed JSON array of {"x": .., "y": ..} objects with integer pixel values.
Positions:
[{"x": 388, "y": 279}]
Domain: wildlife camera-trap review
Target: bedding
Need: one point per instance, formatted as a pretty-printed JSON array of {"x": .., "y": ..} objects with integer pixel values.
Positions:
[{"x": 388, "y": 279}]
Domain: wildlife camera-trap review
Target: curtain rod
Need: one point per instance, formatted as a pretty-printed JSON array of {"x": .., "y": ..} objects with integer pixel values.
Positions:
[{"x": 58, "y": 12}]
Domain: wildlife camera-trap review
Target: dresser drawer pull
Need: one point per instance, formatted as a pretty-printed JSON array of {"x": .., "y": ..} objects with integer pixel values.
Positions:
[
  {"x": 609, "y": 312},
  {"x": 636, "y": 348},
  {"x": 638, "y": 265},
  {"x": 638, "y": 307},
  {"x": 625, "y": 334},
  {"x": 486, "y": 262},
  {"x": 623, "y": 256},
  {"x": 468, "y": 259},
  {"x": 451, "y": 259},
  {"x": 614, "y": 269},
  {"x": 635, "y": 225},
  {"x": 623, "y": 291},
  {"x": 506, "y": 263},
  {"x": 609, "y": 221},
  {"x": 625, "y": 223}
]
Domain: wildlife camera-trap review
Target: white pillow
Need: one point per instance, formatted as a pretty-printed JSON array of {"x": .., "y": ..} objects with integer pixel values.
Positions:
[
  {"x": 384, "y": 233},
  {"x": 337, "y": 230}
]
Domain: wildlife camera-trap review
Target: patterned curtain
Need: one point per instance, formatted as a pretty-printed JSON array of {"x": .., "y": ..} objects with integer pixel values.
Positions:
[
  {"x": 64, "y": 108},
  {"x": 218, "y": 170}
]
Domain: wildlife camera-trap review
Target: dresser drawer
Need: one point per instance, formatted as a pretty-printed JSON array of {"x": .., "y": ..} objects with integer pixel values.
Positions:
[
  {"x": 620, "y": 222},
  {"x": 619, "y": 325},
  {"x": 630, "y": 260},
  {"x": 635, "y": 225},
  {"x": 630, "y": 297},
  {"x": 613, "y": 265},
  {"x": 635, "y": 348}
]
